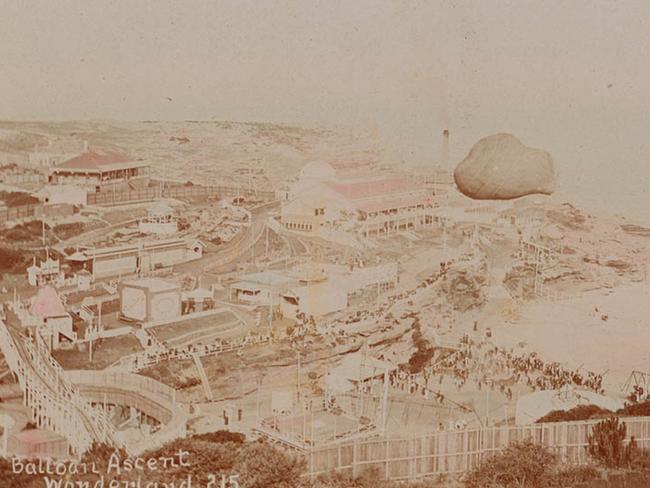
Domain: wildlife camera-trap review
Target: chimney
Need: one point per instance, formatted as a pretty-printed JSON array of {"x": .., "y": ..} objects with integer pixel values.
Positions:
[
  {"x": 85, "y": 146},
  {"x": 445, "y": 150}
]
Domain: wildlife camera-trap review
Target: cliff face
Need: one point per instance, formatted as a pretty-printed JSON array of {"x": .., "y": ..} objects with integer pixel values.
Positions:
[{"x": 500, "y": 167}]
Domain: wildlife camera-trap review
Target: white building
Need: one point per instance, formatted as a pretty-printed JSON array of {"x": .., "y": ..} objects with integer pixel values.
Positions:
[
  {"x": 314, "y": 299},
  {"x": 84, "y": 280},
  {"x": 374, "y": 205},
  {"x": 149, "y": 300},
  {"x": 136, "y": 258},
  {"x": 356, "y": 279},
  {"x": 49, "y": 271},
  {"x": 313, "y": 289},
  {"x": 160, "y": 220},
  {"x": 262, "y": 289}
]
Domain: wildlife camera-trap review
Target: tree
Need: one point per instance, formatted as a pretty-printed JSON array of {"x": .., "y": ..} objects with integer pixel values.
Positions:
[
  {"x": 606, "y": 444},
  {"x": 260, "y": 465}
]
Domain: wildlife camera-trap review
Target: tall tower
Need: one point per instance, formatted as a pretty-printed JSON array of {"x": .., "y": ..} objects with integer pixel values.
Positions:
[{"x": 445, "y": 151}]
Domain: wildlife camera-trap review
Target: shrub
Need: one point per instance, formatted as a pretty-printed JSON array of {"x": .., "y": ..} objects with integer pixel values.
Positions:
[
  {"x": 262, "y": 466},
  {"x": 17, "y": 199},
  {"x": 187, "y": 383},
  {"x": 641, "y": 409},
  {"x": 573, "y": 476},
  {"x": 31, "y": 231},
  {"x": 581, "y": 412},
  {"x": 606, "y": 444},
  {"x": 65, "y": 231},
  {"x": 518, "y": 465},
  {"x": 220, "y": 437},
  {"x": 421, "y": 357}
]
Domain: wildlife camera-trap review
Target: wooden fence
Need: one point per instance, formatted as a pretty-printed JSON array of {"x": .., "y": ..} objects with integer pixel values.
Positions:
[
  {"x": 448, "y": 452},
  {"x": 16, "y": 213},
  {"x": 154, "y": 192}
]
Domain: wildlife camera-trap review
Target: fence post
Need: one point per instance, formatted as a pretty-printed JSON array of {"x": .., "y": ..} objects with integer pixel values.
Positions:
[
  {"x": 386, "y": 459},
  {"x": 411, "y": 451}
]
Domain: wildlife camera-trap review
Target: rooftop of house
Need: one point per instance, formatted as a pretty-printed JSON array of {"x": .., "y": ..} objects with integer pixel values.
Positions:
[
  {"x": 47, "y": 303},
  {"x": 98, "y": 160}
]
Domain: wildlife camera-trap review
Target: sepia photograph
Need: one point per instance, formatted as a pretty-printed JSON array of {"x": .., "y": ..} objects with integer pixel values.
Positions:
[{"x": 324, "y": 244}]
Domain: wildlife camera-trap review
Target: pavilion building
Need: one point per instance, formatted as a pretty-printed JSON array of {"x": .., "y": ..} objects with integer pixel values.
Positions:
[
  {"x": 100, "y": 171},
  {"x": 370, "y": 205}
]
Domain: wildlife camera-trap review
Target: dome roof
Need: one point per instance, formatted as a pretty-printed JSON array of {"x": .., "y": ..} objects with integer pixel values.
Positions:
[{"x": 318, "y": 170}]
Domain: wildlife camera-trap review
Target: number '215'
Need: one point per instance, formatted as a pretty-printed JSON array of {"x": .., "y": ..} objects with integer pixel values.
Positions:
[{"x": 231, "y": 481}]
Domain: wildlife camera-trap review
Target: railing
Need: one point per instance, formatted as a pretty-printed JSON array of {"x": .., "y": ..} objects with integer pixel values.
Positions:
[
  {"x": 145, "y": 359},
  {"x": 55, "y": 404},
  {"x": 459, "y": 451},
  {"x": 124, "y": 380}
]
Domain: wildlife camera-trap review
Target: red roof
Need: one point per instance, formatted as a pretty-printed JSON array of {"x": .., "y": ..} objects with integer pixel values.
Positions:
[
  {"x": 375, "y": 188},
  {"x": 95, "y": 160},
  {"x": 47, "y": 303}
]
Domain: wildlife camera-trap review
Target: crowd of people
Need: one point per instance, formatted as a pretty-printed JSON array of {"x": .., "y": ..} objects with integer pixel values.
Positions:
[
  {"x": 149, "y": 358},
  {"x": 500, "y": 368},
  {"x": 489, "y": 366}
]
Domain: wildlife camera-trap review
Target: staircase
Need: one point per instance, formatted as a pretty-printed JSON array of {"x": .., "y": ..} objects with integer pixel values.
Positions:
[{"x": 203, "y": 377}]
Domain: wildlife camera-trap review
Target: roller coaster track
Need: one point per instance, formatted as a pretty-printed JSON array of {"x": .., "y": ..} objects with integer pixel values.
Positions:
[{"x": 55, "y": 404}]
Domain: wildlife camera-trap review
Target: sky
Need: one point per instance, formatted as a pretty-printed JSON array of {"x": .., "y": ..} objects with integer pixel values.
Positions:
[{"x": 571, "y": 77}]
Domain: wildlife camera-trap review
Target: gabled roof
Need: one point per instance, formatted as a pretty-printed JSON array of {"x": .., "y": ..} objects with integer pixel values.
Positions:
[
  {"x": 99, "y": 161},
  {"x": 47, "y": 303}
]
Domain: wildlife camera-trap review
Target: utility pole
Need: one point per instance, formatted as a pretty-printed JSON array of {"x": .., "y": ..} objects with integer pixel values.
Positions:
[
  {"x": 299, "y": 398},
  {"x": 384, "y": 403},
  {"x": 99, "y": 325},
  {"x": 487, "y": 404},
  {"x": 257, "y": 399},
  {"x": 252, "y": 242}
]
